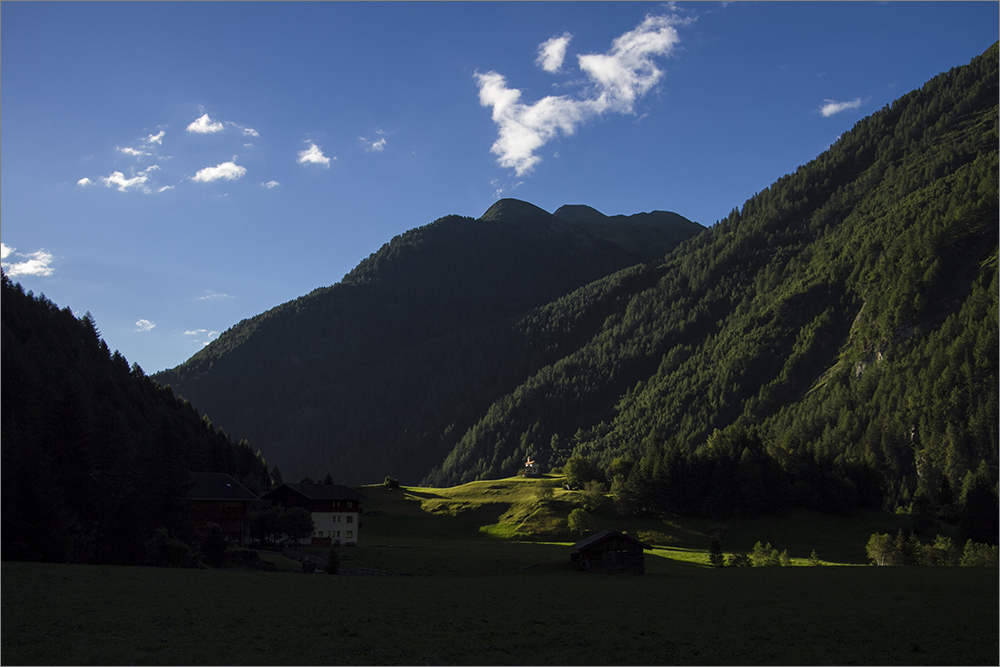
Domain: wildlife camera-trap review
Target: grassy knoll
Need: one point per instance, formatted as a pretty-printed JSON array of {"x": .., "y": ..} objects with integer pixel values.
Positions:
[
  {"x": 77, "y": 614},
  {"x": 514, "y": 509}
]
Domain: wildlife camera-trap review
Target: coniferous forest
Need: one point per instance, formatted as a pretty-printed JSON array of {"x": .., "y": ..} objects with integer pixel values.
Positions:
[
  {"x": 96, "y": 455},
  {"x": 831, "y": 344}
]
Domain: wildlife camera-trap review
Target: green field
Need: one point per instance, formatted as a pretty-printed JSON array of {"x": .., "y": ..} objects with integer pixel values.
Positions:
[{"x": 466, "y": 596}]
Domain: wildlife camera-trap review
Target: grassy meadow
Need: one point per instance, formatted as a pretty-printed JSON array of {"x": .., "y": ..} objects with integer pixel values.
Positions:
[{"x": 485, "y": 579}]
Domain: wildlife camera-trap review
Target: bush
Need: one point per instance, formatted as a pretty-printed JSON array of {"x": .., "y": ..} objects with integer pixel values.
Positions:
[
  {"x": 391, "y": 483},
  {"x": 165, "y": 551},
  {"x": 739, "y": 560},
  {"x": 580, "y": 521}
]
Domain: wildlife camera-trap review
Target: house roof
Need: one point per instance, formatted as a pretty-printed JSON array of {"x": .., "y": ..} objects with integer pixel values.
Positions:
[
  {"x": 599, "y": 537},
  {"x": 217, "y": 486},
  {"x": 322, "y": 491}
]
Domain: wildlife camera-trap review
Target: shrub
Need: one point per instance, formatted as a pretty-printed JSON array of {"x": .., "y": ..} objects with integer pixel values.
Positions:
[
  {"x": 165, "y": 551},
  {"x": 391, "y": 483},
  {"x": 580, "y": 521},
  {"x": 739, "y": 560}
]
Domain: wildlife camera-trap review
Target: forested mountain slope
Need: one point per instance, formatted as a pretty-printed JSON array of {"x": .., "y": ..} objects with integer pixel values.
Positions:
[
  {"x": 831, "y": 344},
  {"x": 95, "y": 454},
  {"x": 380, "y": 373}
]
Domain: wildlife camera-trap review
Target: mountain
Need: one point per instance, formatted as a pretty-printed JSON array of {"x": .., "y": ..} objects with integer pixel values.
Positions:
[
  {"x": 832, "y": 344},
  {"x": 96, "y": 455},
  {"x": 379, "y": 373}
]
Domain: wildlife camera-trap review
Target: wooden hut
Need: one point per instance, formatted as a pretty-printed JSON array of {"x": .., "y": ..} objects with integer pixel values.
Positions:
[{"x": 610, "y": 552}]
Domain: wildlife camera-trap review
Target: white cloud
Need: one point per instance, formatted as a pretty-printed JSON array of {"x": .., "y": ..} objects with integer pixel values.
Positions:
[
  {"x": 195, "y": 332},
  {"x": 165, "y": 188},
  {"x": 84, "y": 182},
  {"x": 229, "y": 171},
  {"x": 137, "y": 181},
  {"x": 144, "y": 325},
  {"x": 156, "y": 138},
  {"x": 134, "y": 152},
  {"x": 205, "y": 125},
  {"x": 831, "y": 107},
  {"x": 617, "y": 79},
  {"x": 552, "y": 52},
  {"x": 38, "y": 263},
  {"x": 314, "y": 155},
  {"x": 270, "y": 184},
  {"x": 250, "y": 132},
  {"x": 32, "y": 263}
]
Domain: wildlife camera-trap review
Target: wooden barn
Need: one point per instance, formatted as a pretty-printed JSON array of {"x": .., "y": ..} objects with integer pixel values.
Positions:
[
  {"x": 610, "y": 552},
  {"x": 218, "y": 500}
]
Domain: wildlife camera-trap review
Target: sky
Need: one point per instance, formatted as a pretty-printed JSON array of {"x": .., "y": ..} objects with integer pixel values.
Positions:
[{"x": 174, "y": 168}]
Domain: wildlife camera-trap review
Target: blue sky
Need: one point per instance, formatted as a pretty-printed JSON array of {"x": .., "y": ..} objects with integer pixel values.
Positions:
[{"x": 174, "y": 168}]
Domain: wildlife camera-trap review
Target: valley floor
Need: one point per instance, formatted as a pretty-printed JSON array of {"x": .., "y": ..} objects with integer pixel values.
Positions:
[{"x": 681, "y": 614}]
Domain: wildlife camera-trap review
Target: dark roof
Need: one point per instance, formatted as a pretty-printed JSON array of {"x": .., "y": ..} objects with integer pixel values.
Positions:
[
  {"x": 603, "y": 535},
  {"x": 322, "y": 491},
  {"x": 217, "y": 486}
]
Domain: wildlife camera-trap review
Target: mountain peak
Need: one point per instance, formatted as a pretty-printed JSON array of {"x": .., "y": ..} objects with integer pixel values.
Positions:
[
  {"x": 579, "y": 213},
  {"x": 514, "y": 209}
]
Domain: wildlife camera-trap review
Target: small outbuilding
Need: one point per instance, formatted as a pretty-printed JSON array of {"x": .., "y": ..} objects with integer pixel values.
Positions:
[{"x": 610, "y": 552}]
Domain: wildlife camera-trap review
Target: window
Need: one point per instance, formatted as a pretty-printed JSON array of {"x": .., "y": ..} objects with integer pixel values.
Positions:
[
  {"x": 350, "y": 519},
  {"x": 350, "y": 534}
]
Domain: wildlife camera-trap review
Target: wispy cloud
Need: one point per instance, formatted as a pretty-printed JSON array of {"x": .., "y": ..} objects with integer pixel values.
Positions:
[
  {"x": 136, "y": 182},
  {"x": 84, "y": 182},
  {"x": 134, "y": 152},
  {"x": 214, "y": 295},
  {"x": 616, "y": 81},
  {"x": 38, "y": 263},
  {"x": 156, "y": 138},
  {"x": 270, "y": 184},
  {"x": 831, "y": 107},
  {"x": 209, "y": 336},
  {"x": 552, "y": 52},
  {"x": 314, "y": 155},
  {"x": 205, "y": 125},
  {"x": 373, "y": 146},
  {"x": 144, "y": 325},
  {"x": 229, "y": 171}
]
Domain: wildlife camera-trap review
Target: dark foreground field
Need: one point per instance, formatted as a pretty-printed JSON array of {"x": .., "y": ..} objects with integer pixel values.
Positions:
[{"x": 546, "y": 614}]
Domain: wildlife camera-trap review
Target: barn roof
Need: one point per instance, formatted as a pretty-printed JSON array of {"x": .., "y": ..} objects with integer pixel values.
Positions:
[
  {"x": 217, "y": 486},
  {"x": 599, "y": 537},
  {"x": 323, "y": 491}
]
